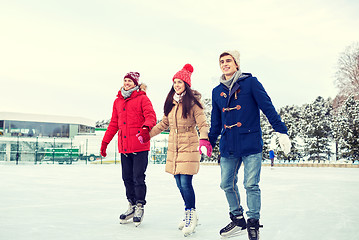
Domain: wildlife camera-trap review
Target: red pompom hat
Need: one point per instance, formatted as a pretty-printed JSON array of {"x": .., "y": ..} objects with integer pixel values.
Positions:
[
  {"x": 134, "y": 76},
  {"x": 184, "y": 74}
]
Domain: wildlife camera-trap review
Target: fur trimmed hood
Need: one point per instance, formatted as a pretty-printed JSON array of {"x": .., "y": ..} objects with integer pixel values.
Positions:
[
  {"x": 197, "y": 95},
  {"x": 143, "y": 87},
  {"x": 141, "y": 90}
]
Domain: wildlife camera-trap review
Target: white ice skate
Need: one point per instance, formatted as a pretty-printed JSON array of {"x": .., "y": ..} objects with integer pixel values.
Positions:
[
  {"x": 183, "y": 222},
  {"x": 190, "y": 223}
]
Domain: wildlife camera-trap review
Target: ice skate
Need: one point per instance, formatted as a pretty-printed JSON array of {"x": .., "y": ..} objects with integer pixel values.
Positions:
[
  {"x": 183, "y": 222},
  {"x": 235, "y": 228},
  {"x": 128, "y": 215},
  {"x": 253, "y": 229},
  {"x": 138, "y": 216},
  {"x": 190, "y": 222}
]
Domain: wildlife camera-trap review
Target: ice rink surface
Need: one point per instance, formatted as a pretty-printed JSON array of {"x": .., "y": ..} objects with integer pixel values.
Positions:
[{"x": 83, "y": 202}]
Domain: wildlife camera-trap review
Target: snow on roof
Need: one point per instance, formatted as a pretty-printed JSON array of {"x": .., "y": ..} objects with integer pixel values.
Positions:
[{"x": 28, "y": 117}]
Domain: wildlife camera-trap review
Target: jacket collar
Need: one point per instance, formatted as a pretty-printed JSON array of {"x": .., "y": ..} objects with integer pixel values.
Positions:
[
  {"x": 237, "y": 85},
  {"x": 134, "y": 94}
]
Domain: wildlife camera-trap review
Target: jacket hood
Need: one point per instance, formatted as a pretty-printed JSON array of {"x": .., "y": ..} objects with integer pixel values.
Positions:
[
  {"x": 143, "y": 87},
  {"x": 196, "y": 94},
  {"x": 244, "y": 76}
]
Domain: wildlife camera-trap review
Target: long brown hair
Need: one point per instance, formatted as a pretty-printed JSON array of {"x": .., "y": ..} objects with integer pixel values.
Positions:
[{"x": 187, "y": 101}]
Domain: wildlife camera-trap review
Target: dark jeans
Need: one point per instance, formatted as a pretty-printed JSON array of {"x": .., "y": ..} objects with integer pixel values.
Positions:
[
  {"x": 184, "y": 184},
  {"x": 134, "y": 166}
]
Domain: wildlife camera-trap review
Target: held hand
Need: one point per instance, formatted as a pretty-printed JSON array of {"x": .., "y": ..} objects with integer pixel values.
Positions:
[
  {"x": 103, "y": 149},
  {"x": 205, "y": 143},
  {"x": 284, "y": 142},
  {"x": 144, "y": 135},
  {"x": 140, "y": 138}
]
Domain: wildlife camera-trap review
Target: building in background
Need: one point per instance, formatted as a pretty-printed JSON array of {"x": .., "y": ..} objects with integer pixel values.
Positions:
[
  {"x": 36, "y": 125},
  {"x": 36, "y": 137}
]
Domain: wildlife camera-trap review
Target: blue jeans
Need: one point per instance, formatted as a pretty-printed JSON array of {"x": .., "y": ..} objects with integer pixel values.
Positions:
[
  {"x": 184, "y": 184},
  {"x": 229, "y": 178}
]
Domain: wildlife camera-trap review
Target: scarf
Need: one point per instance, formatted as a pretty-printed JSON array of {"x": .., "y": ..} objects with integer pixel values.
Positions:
[
  {"x": 178, "y": 98},
  {"x": 127, "y": 94},
  {"x": 230, "y": 82}
]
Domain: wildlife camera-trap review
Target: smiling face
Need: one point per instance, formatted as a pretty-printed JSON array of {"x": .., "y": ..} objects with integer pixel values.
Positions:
[
  {"x": 178, "y": 86},
  {"x": 128, "y": 84},
  {"x": 228, "y": 66}
]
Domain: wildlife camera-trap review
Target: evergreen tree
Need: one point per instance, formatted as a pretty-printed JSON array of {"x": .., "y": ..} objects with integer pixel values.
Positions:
[
  {"x": 349, "y": 129},
  {"x": 266, "y": 134},
  {"x": 290, "y": 115},
  {"x": 336, "y": 126},
  {"x": 207, "y": 105},
  {"x": 317, "y": 129}
]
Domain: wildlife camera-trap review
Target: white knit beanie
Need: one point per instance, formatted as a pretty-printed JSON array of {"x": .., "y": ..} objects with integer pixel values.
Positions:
[{"x": 234, "y": 54}]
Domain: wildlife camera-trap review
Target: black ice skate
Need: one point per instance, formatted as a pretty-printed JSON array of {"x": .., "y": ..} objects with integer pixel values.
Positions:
[
  {"x": 138, "y": 217},
  {"x": 128, "y": 215},
  {"x": 234, "y": 228},
  {"x": 253, "y": 229}
]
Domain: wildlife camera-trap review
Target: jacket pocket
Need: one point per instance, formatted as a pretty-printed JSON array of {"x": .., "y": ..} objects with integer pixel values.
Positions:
[{"x": 250, "y": 142}]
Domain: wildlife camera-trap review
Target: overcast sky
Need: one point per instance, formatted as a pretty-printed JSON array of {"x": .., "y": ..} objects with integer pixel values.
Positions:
[{"x": 69, "y": 57}]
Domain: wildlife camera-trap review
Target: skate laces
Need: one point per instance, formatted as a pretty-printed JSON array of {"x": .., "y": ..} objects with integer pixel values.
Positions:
[
  {"x": 230, "y": 226},
  {"x": 131, "y": 209},
  {"x": 138, "y": 210},
  {"x": 189, "y": 217},
  {"x": 253, "y": 230}
]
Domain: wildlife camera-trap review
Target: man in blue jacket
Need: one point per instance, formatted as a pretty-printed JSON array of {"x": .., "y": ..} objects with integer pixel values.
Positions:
[{"x": 236, "y": 105}]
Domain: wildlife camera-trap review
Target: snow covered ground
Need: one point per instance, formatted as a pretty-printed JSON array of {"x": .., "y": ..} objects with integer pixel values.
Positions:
[{"x": 84, "y": 201}]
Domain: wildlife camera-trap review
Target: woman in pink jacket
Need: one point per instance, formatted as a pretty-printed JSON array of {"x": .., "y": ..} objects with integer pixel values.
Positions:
[{"x": 132, "y": 114}]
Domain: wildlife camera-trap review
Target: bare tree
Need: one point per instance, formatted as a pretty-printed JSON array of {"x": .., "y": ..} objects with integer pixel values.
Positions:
[{"x": 347, "y": 75}]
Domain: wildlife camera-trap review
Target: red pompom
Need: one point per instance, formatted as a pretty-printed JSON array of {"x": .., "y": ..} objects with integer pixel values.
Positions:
[{"x": 188, "y": 67}]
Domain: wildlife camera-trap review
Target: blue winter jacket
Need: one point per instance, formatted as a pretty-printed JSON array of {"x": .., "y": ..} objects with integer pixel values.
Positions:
[{"x": 236, "y": 117}]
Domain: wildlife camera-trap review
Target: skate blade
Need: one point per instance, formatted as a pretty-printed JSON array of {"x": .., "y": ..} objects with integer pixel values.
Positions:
[
  {"x": 235, "y": 234},
  {"x": 125, "y": 221},
  {"x": 137, "y": 224},
  {"x": 189, "y": 234}
]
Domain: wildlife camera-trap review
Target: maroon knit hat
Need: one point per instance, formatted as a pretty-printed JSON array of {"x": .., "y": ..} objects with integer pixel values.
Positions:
[
  {"x": 184, "y": 74},
  {"x": 134, "y": 76}
]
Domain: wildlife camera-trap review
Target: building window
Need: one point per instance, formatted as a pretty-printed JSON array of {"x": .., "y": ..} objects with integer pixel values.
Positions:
[
  {"x": 36, "y": 129},
  {"x": 86, "y": 129}
]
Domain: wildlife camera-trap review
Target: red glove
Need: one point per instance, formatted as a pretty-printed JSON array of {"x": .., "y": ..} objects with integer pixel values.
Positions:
[
  {"x": 103, "y": 149},
  {"x": 144, "y": 135},
  {"x": 205, "y": 143}
]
